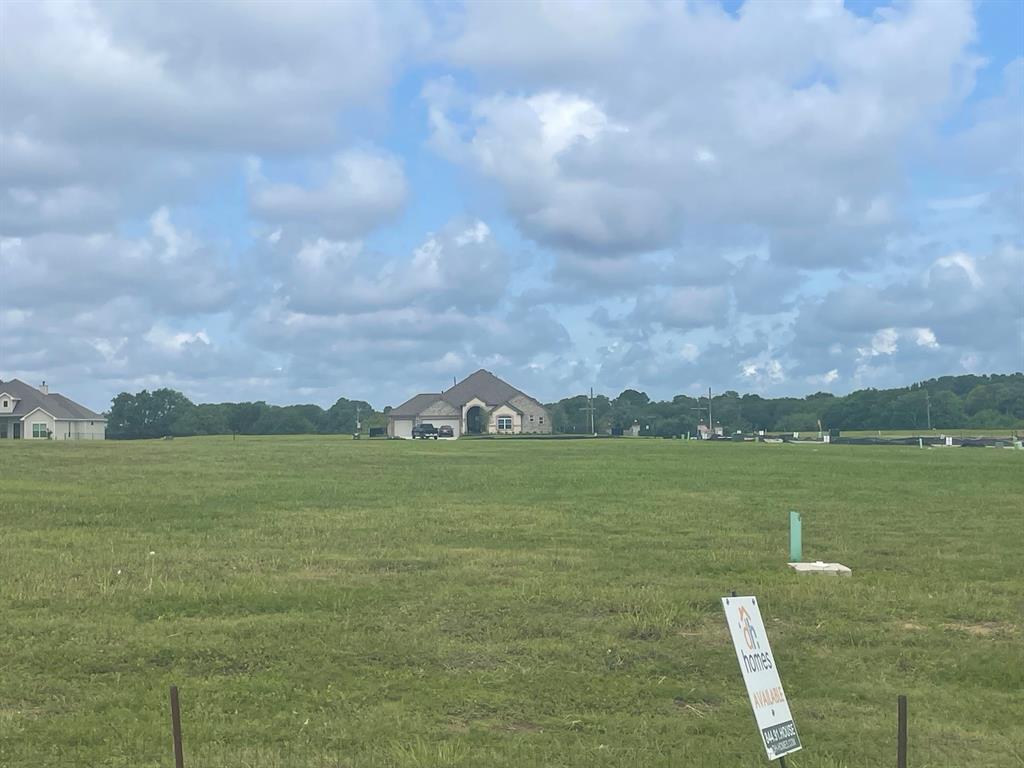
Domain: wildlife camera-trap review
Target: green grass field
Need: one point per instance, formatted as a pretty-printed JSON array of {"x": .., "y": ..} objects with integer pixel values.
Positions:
[{"x": 326, "y": 602}]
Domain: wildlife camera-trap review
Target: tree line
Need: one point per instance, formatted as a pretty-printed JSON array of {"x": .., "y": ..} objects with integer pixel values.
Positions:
[
  {"x": 950, "y": 402},
  {"x": 166, "y": 412}
]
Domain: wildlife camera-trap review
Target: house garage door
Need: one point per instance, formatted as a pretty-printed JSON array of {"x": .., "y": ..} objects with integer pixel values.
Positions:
[
  {"x": 402, "y": 427},
  {"x": 437, "y": 422}
]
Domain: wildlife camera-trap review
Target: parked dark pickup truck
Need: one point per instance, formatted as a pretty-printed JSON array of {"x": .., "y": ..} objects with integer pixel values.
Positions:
[{"x": 425, "y": 431}]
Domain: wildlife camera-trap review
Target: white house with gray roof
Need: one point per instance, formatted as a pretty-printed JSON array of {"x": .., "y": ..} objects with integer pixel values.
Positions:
[
  {"x": 27, "y": 413},
  {"x": 479, "y": 404}
]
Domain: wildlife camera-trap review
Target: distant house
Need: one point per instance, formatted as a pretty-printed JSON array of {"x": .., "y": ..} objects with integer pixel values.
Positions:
[
  {"x": 38, "y": 414},
  {"x": 479, "y": 404}
]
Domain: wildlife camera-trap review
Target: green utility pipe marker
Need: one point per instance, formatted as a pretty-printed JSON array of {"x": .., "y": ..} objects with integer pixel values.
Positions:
[{"x": 795, "y": 548}]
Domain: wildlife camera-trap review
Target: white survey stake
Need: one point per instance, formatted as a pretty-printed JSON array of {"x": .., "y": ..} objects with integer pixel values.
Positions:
[{"x": 760, "y": 673}]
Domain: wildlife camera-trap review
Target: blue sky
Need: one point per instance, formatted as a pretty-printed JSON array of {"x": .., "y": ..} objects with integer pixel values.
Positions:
[{"x": 299, "y": 201}]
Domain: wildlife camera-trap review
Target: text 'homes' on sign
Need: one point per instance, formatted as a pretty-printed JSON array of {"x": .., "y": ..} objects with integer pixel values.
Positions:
[{"x": 771, "y": 710}]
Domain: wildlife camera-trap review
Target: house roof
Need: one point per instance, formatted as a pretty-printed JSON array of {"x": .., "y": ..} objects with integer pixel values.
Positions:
[
  {"x": 27, "y": 399},
  {"x": 483, "y": 385},
  {"x": 414, "y": 405}
]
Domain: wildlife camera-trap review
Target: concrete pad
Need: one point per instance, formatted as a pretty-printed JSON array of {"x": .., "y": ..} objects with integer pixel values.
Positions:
[{"x": 833, "y": 569}]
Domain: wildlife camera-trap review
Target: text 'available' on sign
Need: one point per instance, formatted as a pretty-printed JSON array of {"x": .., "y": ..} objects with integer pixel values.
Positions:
[{"x": 771, "y": 709}]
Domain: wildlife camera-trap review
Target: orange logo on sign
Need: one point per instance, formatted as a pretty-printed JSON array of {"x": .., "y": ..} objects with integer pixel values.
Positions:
[{"x": 747, "y": 627}]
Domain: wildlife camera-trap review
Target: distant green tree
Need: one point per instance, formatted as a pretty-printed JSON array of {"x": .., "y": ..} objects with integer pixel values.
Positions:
[
  {"x": 990, "y": 418},
  {"x": 632, "y": 398},
  {"x": 283, "y": 421},
  {"x": 797, "y": 422},
  {"x": 342, "y": 416},
  {"x": 146, "y": 414},
  {"x": 243, "y": 417},
  {"x": 123, "y": 419},
  {"x": 909, "y": 410},
  {"x": 947, "y": 410}
]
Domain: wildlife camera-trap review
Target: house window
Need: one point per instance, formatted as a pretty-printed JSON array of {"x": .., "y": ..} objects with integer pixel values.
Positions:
[
  {"x": 5, "y": 403},
  {"x": 504, "y": 423},
  {"x": 39, "y": 429},
  {"x": 531, "y": 417},
  {"x": 541, "y": 419}
]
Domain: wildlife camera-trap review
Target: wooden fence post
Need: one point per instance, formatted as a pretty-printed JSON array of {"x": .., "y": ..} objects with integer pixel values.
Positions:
[
  {"x": 179, "y": 759},
  {"x": 901, "y": 732}
]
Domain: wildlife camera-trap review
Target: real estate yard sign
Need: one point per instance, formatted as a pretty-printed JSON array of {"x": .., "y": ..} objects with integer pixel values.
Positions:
[{"x": 771, "y": 710}]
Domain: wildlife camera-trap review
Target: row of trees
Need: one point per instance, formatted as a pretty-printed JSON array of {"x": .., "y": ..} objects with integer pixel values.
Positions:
[
  {"x": 950, "y": 402},
  {"x": 168, "y": 412}
]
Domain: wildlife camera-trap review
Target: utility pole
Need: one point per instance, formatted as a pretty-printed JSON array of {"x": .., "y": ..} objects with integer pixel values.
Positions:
[
  {"x": 711, "y": 422},
  {"x": 590, "y": 407},
  {"x": 928, "y": 406},
  {"x": 699, "y": 409}
]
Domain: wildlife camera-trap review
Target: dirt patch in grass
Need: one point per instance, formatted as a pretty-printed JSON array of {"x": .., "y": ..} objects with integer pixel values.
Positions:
[
  {"x": 458, "y": 726},
  {"x": 699, "y": 707},
  {"x": 523, "y": 726},
  {"x": 711, "y": 630},
  {"x": 983, "y": 628}
]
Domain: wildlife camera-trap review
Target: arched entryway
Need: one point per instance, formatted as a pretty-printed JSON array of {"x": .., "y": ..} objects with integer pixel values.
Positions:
[{"x": 476, "y": 421}]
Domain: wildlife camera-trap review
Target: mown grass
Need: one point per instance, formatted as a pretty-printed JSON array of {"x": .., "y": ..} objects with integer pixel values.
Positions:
[
  {"x": 328, "y": 602},
  {"x": 1006, "y": 433}
]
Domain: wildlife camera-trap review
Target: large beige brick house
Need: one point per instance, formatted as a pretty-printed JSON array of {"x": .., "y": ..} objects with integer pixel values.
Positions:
[{"x": 479, "y": 404}]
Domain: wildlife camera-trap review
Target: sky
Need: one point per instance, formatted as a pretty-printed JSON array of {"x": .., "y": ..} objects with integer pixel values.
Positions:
[{"x": 298, "y": 201}]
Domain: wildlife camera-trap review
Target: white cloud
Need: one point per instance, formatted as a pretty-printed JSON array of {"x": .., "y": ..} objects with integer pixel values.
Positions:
[
  {"x": 824, "y": 379},
  {"x": 214, "y": 74},
  {"x": 460, "y": 266},
  {"x": 364, "y": 189},
  {"x": 11, "y": 319},
  {"x": 607, "y": 151},
  {"x": 884, "y": 342},
  {"x": 172, "y": 341},
  {"x": 68, "y": 208},
  {"x": 963, "y": 203},
  {"x": 925, "y": 337},
  {"x": 916, "y": 325},
  {"x": 730, "y": 188},
  {"x": 764, "y": 371},
  {"x": 478, "y": 233},
  {"x": 169, "y": 269},
  {"x": 961, "y": 261},
  {"x": 689, "y": 352},
  {"x": 529, "y": 146},
  {"x": 705, "y": 156},
  {"x": 684, "y": 308},
  {"x": 109, "y": 110}
]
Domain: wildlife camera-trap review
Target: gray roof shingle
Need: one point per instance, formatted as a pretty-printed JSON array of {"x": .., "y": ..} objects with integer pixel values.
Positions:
[
  {"x": 414, "y": 405},
  {"x": 483, "y": 385},
  {"x": 29, "y": 398}
]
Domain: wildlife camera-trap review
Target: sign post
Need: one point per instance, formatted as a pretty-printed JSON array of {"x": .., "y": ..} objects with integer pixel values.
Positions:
[{"x": 761, "y": 675}]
